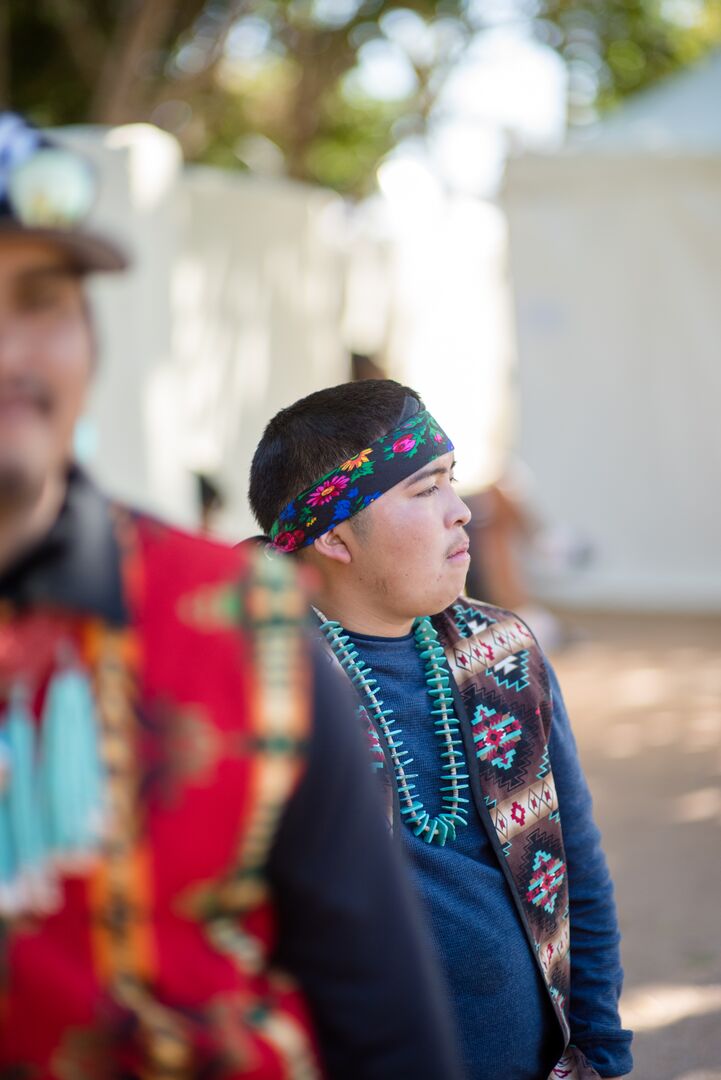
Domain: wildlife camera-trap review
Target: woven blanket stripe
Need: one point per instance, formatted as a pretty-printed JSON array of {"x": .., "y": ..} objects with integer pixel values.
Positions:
[
  {"x": 502, "y": 678},
  {"x": 573, "y": 1066},
  {"x": 489, "y": 647}
]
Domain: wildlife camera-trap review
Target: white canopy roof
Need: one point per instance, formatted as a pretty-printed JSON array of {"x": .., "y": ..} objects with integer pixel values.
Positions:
[{"x": 682, "y": 115}]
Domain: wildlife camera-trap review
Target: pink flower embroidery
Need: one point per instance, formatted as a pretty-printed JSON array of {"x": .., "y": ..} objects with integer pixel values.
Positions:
[
  {"x": 404, "y": 444},
  {"x": 290, "y": 540},
  {"x": 328, "y": 490}
]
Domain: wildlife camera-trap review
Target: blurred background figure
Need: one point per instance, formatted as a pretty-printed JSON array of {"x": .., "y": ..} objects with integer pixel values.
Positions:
[
  {"x": 211, "y": 501},
  {"x": 514, "y": 197},
  {"x": 173, "y": 848},
  {"x": 503, "y": 532}
]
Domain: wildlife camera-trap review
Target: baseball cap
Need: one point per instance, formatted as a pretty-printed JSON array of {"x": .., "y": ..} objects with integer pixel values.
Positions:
[{"x": 47, "y": 191}]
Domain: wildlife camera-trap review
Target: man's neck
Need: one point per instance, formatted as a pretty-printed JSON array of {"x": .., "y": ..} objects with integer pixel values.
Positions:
[
  {"x": 21, "y": 527},
  {"x": 357, "y": 616}
]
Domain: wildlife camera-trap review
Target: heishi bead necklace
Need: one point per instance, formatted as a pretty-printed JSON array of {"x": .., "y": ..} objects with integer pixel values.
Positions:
[{"x": 441, "y": 827}]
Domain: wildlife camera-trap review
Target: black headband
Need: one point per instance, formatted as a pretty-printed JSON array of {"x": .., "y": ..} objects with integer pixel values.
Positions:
[{"x": 356, "y": 483}]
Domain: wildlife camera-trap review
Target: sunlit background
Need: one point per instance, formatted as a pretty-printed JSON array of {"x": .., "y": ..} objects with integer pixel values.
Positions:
[{"x": 515, "y": 207}]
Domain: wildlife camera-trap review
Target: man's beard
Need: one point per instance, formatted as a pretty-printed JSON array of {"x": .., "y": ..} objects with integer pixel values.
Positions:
[{"x": 19, "y": 489}]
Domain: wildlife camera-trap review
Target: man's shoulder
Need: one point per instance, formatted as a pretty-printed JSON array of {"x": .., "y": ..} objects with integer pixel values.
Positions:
[
  {"x": 503, "y": 638},
  {"x": 165, "y": 539},
  {"x": 489, "y": 613},
  {"x": 468, "y": 617},
  {"x": 136, "y": 527},
  {"x": 226, "y": 583},
  {"x": 490, "y": 610}
]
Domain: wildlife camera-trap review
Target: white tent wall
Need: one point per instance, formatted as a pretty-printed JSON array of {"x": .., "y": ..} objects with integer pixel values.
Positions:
[
  {"x": 137, "y": 433},
  {"x": 680, "y": 113},
  {"x": 616, "y": 262},
  {"x": 258, "y": 298},
  {"x": 450, "y": 329}
]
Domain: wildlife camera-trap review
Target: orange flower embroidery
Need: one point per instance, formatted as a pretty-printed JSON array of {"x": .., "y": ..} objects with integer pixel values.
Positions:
[{"x": 356, "y": 462}]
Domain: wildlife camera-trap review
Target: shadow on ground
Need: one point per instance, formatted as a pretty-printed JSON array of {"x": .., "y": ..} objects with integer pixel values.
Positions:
[{"x": 644, "y": 695}]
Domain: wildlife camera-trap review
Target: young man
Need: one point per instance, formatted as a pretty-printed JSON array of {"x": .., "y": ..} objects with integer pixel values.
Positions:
[
  {"x": 168, "y": 822},
  {"x": 467, "y": 730}
]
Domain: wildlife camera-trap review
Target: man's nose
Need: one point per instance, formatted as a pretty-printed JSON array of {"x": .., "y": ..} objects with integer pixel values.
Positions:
[
  {"x": 12, "y": 347},
  {"x": 463, "y": 514}
]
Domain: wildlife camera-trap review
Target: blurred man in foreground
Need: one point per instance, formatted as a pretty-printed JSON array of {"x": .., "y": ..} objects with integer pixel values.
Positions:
[
  {"x": 168, "y": 824},
  {"x": 466, "y": 726}
]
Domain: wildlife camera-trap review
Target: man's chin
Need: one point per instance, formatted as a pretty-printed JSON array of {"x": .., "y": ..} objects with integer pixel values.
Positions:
[
  {"x": 444, "y": 600},
  {"x": 20, "y": 487}
]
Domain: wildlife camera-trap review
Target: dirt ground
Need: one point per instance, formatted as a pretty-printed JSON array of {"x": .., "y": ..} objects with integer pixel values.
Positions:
[{"x": 644, "y": 696}]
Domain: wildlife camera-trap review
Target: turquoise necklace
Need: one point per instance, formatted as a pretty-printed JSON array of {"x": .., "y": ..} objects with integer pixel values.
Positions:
[{"x": 454, "y": 780}]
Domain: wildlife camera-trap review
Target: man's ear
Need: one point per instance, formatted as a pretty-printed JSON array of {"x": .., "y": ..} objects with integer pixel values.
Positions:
[{"x": 332, "y": 546}]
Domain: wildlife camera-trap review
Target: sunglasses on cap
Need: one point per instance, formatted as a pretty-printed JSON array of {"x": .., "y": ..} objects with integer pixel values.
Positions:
[
  {"x": 53, "y": 189},
  {"x": 48, "y": 190}
]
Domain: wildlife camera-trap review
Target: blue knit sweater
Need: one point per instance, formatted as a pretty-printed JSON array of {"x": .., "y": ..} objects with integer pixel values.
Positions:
[{"x": 505, "y": 1020}]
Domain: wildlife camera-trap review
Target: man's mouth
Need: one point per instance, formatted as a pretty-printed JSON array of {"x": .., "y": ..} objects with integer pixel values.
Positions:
[
  {"x": 21, "y": 404},
  {"x": 459, "y": 553}
]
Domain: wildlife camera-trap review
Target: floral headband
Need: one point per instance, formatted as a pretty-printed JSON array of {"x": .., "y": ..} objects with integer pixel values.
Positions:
[{"x": 350, "y": 487}]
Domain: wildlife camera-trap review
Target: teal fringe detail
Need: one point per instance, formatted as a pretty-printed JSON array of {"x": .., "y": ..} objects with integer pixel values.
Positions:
[
  {"x": 71, "y": 776},
  {"x": 21, "y": 829},
  {"x": 51, "y": 791}
]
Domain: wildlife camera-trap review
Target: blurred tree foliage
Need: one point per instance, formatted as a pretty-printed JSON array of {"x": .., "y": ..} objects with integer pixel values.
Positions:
[
  {"x": 613, "y": 48},
  {"x": 283, "y": 85}
]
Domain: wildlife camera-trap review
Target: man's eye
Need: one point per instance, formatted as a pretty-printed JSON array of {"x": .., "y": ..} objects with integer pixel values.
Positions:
[
  {"x": 428, "y": 491},
  {"x": 41, "y": 299},
  {"x": 46, "y": 294}
]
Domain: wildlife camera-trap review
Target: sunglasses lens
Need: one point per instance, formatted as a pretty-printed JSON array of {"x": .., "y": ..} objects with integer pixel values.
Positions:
[{"x": 52, "y": 189}]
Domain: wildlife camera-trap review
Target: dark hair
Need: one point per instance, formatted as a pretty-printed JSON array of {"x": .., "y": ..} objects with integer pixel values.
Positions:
[{"x": 313, "y": 436}]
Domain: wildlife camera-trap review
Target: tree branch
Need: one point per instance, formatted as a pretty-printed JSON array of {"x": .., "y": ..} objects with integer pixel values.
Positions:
[
  {"x": 141, "y": 32},
  {"x": 4, "y": 57},
  {"x": 85, "y": 43},
  {"x": 186, "y": 86}
]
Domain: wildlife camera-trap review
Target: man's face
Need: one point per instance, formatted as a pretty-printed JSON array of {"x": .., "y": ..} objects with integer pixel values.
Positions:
[
  {"x": 410, "y": 551},
  {"x": 46, "y": 357}
]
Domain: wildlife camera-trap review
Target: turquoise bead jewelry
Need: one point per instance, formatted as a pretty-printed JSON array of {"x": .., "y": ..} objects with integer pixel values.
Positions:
[{"x": 454, "y": 779}]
